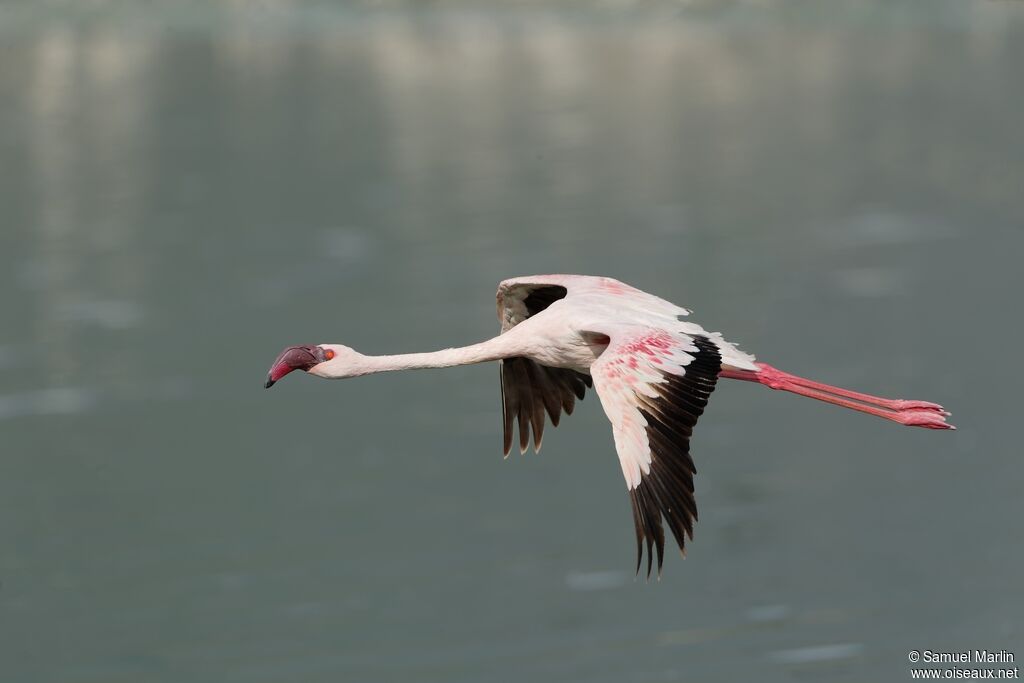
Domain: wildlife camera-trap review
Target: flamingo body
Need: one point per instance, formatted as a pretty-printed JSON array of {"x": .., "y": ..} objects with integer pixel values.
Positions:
[{"x": 653, "y": 371}]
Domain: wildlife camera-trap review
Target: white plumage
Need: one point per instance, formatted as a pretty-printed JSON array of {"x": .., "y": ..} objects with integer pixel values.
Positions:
[{"x": 653, "y": 371}]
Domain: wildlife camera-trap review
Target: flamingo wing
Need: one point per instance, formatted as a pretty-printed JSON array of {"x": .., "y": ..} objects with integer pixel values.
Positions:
[
  {"x": 529, "y": 389},
  {"x": 653, "y": 385}
]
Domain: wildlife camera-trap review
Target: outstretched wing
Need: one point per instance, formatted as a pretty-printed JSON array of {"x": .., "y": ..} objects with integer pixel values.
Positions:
[
  {"x": 529, "y": 389},
  {"x": 653, "y": 385}
]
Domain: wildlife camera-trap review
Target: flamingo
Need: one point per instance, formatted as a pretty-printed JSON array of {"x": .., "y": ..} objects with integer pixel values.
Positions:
[{"x": 653, "y": 371}]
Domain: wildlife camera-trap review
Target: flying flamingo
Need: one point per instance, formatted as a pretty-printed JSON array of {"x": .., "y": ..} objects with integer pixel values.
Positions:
[{"x": 653, "y": 372}]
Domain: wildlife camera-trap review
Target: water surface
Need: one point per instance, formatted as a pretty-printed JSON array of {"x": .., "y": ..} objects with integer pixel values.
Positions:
[{"x": 188, "y": 190}]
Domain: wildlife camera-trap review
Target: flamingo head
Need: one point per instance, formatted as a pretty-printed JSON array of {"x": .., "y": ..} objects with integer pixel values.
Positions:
[
  {"x": 298, "y": 358},
  {"x": 331, "y": 361}
]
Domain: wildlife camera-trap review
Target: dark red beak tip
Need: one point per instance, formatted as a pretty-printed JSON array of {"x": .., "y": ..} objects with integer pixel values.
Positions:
[{"x": 294, "y": 358}]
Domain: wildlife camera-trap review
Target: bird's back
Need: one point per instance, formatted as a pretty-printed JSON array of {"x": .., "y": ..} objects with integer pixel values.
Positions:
[{"x": 600, "y": 303}]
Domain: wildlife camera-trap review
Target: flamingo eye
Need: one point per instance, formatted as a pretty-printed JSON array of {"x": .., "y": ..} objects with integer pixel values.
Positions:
[{"x": 329, "y": 354}]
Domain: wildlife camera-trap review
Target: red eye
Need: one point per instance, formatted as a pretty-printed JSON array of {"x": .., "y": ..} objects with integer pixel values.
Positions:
[{"x": 329, "y": 354}]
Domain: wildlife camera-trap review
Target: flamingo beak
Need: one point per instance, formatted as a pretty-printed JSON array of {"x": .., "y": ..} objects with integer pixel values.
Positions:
[{"x": 294, "y": 358}]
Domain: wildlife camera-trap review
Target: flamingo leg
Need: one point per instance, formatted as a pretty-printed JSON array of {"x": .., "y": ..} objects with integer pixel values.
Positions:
[{"x": 910, "y": 413}]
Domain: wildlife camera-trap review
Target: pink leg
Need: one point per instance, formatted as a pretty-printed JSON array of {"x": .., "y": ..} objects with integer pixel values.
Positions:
[{"x": 911, "y": 413}]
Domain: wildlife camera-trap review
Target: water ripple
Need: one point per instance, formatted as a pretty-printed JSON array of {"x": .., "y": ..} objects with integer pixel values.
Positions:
[
  {"x": 58, "y": 401},
  {"x": 817, "y": 653}
]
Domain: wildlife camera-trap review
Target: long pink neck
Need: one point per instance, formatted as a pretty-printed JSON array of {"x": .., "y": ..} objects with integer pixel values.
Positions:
[{"x": 492, "y": 349}]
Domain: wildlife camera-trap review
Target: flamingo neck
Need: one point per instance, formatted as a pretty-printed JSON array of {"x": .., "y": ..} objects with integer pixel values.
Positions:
[{"x": 492, "y": 349}]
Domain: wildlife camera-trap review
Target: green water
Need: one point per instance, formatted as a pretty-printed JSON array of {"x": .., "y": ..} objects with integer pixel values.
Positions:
[{"x": 186, "y": 189}]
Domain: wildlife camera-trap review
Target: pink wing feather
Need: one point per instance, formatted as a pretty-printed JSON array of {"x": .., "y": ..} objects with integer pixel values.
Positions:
[{"x": 653, "y": 386}]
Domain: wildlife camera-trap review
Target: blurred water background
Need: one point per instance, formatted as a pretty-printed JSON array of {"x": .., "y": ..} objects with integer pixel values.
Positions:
[{"x": 188, "y": 187}]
